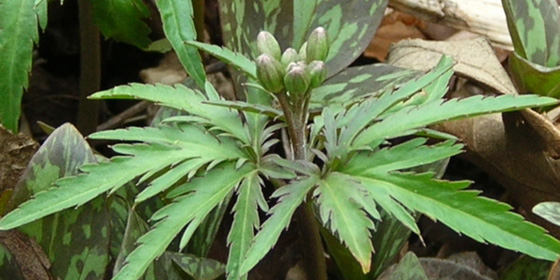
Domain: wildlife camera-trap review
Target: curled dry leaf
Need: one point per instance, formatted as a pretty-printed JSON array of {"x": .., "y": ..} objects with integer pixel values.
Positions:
[{"x": 475, "y": 60}]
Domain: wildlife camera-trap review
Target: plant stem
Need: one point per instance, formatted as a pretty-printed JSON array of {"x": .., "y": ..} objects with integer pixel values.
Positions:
[
  {"x": 90, "y": 69},
  {"x": 313, "y": 257}
]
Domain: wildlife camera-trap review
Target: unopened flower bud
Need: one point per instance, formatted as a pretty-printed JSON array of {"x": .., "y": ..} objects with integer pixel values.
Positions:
[
  {"x": 296, "y": 79},
  {"x": 270, "y": 73},
  {"x": 302, "y": 52},
  {"x": 290, "y": 55},
  {"x": 317, "y": 45},
  {"x": 317, "y": 73},
  {"x": 267, "y": 44}
]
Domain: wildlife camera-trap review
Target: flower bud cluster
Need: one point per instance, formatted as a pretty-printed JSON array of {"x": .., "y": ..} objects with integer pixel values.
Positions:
[{"x": 297, "y": 72}]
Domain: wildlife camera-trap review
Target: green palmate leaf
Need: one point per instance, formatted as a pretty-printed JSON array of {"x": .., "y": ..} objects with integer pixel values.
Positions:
[
  {"x": 340, "y": 208},
  {"x": 408, "y": 120},
  {"x": 179, "y": 28},
  {"x": 62, "y": 153},
  {"x": 410, "y": 154},
  {"x": 18, "y": 32},
  {"x": 355, "y": 119},
  {"x": 245, "y": 221},
  {"x": 289, "y": 198},
  {"x": 479, "y": 218},
  {"x": 183, "y": 98},
  {"x": 202, "y": 195},
  {"x": 190, "y": 142},
  {"x": 165, "y": 267},
  {"x": 535, "y": 30},
  {"x": 103, "y": 177},
  {"x": 122, "y": 20},
  {"x": 239, "y": 61},
  {"x": 248, "y": 107}
]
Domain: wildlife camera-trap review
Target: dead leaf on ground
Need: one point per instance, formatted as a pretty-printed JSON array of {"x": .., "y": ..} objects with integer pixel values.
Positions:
[
  {"x": 15, "y": 153},
  {"x": 32, "y": 262},
  {"x": 475, "y": 59}
]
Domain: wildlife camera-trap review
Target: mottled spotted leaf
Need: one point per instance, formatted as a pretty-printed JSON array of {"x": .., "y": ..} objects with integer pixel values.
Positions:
[
  {"x": 350, "y": 24},
  {"x": 355, "y": 83},
  {"x": 75, "y": 240},
  {"x": 122, "y": 20},
  {"x": 530, "y": 77},
  {"x": 534, "y": 27},
  {"x": 18, "y": 33},
  {"x": 198, "y": 268}
]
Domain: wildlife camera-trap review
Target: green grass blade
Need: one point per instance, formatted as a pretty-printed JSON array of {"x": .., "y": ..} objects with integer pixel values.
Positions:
[
  {"x": 18, "y": 32},
  {"x": 237, "y": 60},
  {"x": 178, "y": 25}
]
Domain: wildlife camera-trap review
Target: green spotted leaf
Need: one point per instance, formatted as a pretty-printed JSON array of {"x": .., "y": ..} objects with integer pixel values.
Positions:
[
  {"x": 178, "y": 25},
  {"x": 122, "y": 20},
  {"x": 355, "y": 83},
  {"x": 530, "y": 77},
  {"x": 350, "y": 26},
  {"x": 76, "y": 241},
  {"x": 534, "y": 27},
  {"x": 196, "y": 267},
  {"x": 18, "y": 33}
]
